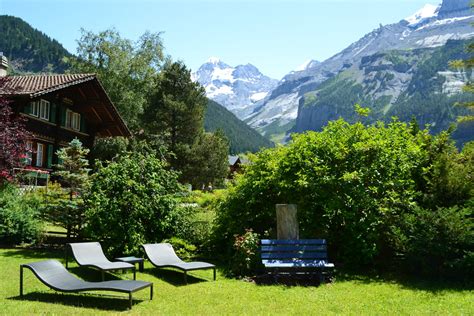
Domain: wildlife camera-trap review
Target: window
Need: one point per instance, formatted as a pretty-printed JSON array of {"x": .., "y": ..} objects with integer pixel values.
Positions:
[
  {"x": 39, "y": 154},
  {"x": 44, "y": 110},
  {"x": 73, "y": 120},
  {"x": 35, "y": 108},
  {"x": 40, "y": 109},
  {"x": 29, "y": 153},
  {"x": 76, "y": 121}
]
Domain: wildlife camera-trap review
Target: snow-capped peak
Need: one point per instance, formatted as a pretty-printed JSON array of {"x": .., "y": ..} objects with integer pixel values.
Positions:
[
  {"x": 310, "y": 63},
  {"x": 304, "y": 65},
  {"x": 213, "y": 60},
  {"x": 428, "y": 11},
  {"x": 237, "y": 88}
]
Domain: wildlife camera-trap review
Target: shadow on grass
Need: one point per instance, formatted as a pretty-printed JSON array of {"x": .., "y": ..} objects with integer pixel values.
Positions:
[
  {"x": 28, "y": 253},
  {"x": 433, "y": 285},
  {"x": 286, "y": 280},
  {"x": 99, "y": 301},
  {"x": 174, "y": 277}
]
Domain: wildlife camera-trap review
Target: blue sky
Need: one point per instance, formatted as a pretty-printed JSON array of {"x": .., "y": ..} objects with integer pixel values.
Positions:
[{"x": 276, "y": 36}]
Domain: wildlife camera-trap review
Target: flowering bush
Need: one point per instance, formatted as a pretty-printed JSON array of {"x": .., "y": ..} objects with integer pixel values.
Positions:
[
  {"x": 13, "y": 138},
  {"x": 245, "y": 260}
]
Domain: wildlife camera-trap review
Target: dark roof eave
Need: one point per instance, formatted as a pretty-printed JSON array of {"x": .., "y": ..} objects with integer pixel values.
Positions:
[{"x": 114, "y": 109}]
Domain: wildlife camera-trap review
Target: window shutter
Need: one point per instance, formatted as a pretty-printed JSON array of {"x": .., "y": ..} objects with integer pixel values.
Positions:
[
  {"x": 83, "y": 124},
  {"x": 28, "y": 108},
  {"x": 52, "y": 114},
  {"x": 63, "y": 115},
  {"x": 50, "y": 156}
]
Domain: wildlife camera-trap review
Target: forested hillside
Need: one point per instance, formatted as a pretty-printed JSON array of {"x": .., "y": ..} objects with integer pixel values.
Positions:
[
  {"x": 28, "y": 49},
  {"x": 242, "y": 138}
]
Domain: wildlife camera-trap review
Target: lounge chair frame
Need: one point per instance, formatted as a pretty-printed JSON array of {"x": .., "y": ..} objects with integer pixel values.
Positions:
[
  {"x": 162, "y": 255},
  {"x": 95, "y": 258},
  {"x": 52, "y": 274}
]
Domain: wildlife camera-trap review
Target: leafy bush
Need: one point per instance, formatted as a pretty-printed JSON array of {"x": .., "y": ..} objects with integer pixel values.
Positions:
[
  {"x": 353, "y": 185},
  {"x": 133, "y": 201},
  {"x": 19, "y": 216},
  {"x": 438, "y": 242},
  {"x": 183, "y": 249}
]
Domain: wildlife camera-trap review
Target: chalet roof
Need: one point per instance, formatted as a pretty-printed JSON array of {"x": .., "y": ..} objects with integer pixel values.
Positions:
[
  {"x": 233, "y": 160},
  {"x": 35, "y": 85}
]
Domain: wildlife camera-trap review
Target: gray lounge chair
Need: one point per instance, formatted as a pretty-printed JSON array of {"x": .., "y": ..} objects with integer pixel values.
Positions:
[
  {"x": 54, "y": 275},
  {"x": 90, "y": 254},
  {"x": 163, "y": 255}
]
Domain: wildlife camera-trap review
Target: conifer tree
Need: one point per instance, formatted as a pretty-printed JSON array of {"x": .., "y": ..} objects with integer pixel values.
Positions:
[{"x": 67, "y": 207}]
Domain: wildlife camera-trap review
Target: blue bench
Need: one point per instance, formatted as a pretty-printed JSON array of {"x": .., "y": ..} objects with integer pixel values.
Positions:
[{"x": 305, "y": 256}]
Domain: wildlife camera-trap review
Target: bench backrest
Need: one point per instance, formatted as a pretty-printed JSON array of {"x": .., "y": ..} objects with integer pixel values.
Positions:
[{"x": 289, "y": 250}]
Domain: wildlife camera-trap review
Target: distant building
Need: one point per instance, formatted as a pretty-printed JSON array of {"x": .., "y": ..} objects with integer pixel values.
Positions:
[
  {"x": 59, "y": 108},
  {"x": 235, "y": 165}
]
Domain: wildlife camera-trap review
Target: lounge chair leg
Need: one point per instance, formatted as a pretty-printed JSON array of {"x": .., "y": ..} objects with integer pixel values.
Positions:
[
  {"x": 185, "y": 277},
  {"x": 130, "y": 299},
  {"x": 134, "y": 273},
  {"x": 66, "y": 256},
  {"x": 214, "y": 274},
  {"x": 21, "y": 280},
  {"x": 151, "y": 292}
]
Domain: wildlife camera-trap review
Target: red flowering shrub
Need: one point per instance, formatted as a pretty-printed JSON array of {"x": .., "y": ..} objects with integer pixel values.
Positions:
[{"x": 13, "y": 137}]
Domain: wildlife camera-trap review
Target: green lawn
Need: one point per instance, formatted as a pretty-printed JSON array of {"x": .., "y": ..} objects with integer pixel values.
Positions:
[{"x": 225, "y": 296}]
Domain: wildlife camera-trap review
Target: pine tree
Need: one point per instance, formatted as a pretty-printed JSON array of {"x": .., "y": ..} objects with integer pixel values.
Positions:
[
  {"x": 176, "y": 113},
  {"x": 68, "y": 208}
]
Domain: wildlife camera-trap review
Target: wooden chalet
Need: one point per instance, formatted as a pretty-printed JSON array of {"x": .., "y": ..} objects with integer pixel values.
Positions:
[{"x": 59, "y": 108}]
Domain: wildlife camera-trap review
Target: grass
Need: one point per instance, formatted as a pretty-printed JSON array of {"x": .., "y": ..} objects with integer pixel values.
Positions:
[{"x": 225, "y": 296}]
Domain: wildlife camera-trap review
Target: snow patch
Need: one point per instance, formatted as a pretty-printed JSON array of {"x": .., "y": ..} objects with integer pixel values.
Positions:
[
  {"x": 303, "y": 66},
  {"x": 428, "y": 11},
  {"x": 444, "y": 22},
  {"x": 258, "y": 96},
  {"x": 223, "y": 74},
  {"x": 439, "y": 40},
  {"x": 284, "y": 108},
  {"x": 213, "y": 91}
]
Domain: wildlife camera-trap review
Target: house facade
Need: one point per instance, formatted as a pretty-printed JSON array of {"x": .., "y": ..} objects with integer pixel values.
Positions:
[{"x": 59, "y": 108}]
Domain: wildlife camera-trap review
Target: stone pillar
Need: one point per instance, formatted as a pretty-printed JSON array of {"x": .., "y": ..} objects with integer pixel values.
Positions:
[{"x": 287, "y": 221}]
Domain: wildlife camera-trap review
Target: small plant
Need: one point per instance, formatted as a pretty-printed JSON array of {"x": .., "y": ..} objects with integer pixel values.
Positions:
[{"x": 245, "y": 259}]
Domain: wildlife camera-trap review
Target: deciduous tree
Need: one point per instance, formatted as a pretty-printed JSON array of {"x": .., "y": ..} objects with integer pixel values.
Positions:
[{"x": 126, "y": 69}]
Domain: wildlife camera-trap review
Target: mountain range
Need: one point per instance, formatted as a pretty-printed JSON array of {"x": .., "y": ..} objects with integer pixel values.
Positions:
[
  {"x": 401, "y": 69},
  {"x": 390, "y": 70}
]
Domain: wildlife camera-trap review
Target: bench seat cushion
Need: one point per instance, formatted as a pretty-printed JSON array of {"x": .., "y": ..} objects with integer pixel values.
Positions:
[{"x": 297, "y": 264}]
